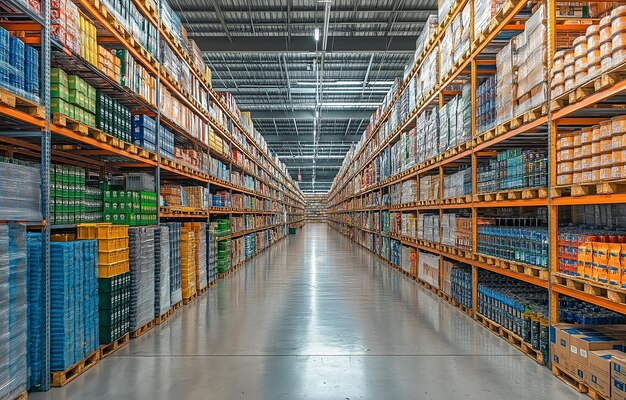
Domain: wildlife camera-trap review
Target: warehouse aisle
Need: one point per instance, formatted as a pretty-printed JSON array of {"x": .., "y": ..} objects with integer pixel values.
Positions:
[{"x": 317, "y": 317}]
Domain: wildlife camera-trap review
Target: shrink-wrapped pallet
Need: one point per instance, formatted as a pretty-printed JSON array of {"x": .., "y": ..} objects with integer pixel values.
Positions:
[
  {"x": 428, "y": 268},
  {"x": 162, "y": 295},
  {"x": 506, "y": 83},
  {"x": 176, "y": 294},
  {"x": 188, "y": 263},
  {"x": 20, "y": 191},
  {"x": 141, "y": 241},
  {"x": 13, "y": 311}
]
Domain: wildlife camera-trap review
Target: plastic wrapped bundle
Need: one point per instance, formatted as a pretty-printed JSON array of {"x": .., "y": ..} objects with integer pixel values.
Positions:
[
  {"x": 162, "y": 261},
  {"x": 13, "y": 311},
  {"x": 176, "y": 293},
  {"x": 428, "y": 268},
  {"x": 211, "y": 238},
  {"x": 188, "y": 263},
  {"x": 73, "y": 302},
  {"x": 20, "y": 192},
  {"x": 141, "y": 276},
  {"x": 199, "y": 229},
  {"x": 35, "y": 307}
]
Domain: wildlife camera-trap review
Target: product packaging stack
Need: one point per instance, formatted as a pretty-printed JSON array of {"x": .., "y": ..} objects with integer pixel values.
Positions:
[
  {"x": 223, "y": 246},
  {"x": 428, "y": 268},
  {"x": 199, "y": 231},
  {"x": 461, "y": 282},
  {"x": 20, "y": 188},
  {"x": 427, "y": 76},
  {"x": 162, "y": 261},
  {"x": 409, "y": 222},
  {"x": 448, "y": 229},
  {"x": 176, "y": 294},
  {"x": 188, "y": 262},
  {"x": 141, "y": 276},
  {"x": 463, "y": 233},
  {"x": 429, "y": 187},
  {"x": 484, "y": 12},
  {"x": 457, "y": 184},
  {"x": 211, "y": 239},
  {"x": 13, "y": 311},
  {"x": 409, "y": 255},
  {"x": 36, "y": 284},
  {"x": 486, "y": 104},
  {"x": 428, "y": 227},
  {"x": 455, "y": 42},
  {"x": 506, "y": 82},
  {"x": 409, "y": 191},
  {"x": 430, "y": 27},
  {"x": 531, "y": 48},
  {"x": 73, "y": 302}
]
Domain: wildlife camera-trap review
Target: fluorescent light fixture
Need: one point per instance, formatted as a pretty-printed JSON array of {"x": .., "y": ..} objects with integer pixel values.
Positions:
[
  {"x": 316, "y": 35},
  {"x": 350, "y": 104},
  {"x": 382, "y": 83},
  {"x": 317, "y": 114}
]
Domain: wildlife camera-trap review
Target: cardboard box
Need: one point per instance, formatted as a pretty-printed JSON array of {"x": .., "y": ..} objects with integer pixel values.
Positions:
[
  {"x": 560, "y": 344},
  {"x": 585, "y": 343},
  {"x": 599, "y": 368}
]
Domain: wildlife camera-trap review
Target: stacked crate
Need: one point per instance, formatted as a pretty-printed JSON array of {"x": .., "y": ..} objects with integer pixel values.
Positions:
[
  {"x": 113, "y": 278},
  {"x": 141, "y": 240},
  {"x": 162, "y": 301},
  {"x": 188, "y": 262},
  {"x": 211, "y": 238},
  {"x": 73, "y": 302},
  {"x": 176, "y": 294},
  {"x": 72, "y": 97},
  {"x": 223, "y": 246},
  {"x": 13, "y": 311},
  {"x": 67, "y": 195},
  {"x": 36, "y": 307}
]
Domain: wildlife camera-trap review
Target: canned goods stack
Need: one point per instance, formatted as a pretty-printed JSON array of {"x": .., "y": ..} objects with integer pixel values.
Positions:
[
  {"x": 13, "y": 311},
  {"x": 68, "y": 197},
  {"x": 458, "y": 280},
  {"x": 162, "y": 301},
  {"x": 574, "y": 311},
  {"x": 597, "y": 153},
  {"x": 141, "y": 241},
  {"x": 188, "y": 262},
  {"x": 19, "y": 67},
  {"x": 176, "y": 294},
  {"x": 73, "y": 302}
]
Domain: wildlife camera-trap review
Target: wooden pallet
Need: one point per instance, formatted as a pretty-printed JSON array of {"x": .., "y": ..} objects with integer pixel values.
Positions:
[
  {"x": 598, "y": 289},
  {"x": 190, "y": 299},
  {"x": 569, "y": 379},
  {"x": 108, "y": 349},
  {"x": 62, "y": 378},
  {"x": 595, "y": 395},
  {"x": 166, "y": 315},
  {"x": 23, "y": 396},
  {"x": 142, "y": 330},
  {"x": 513, "y": 339},
  {"x": 30, "y": 107},
  {"x": 223, "y": 275},
  {"x": 203, "y": 291}
]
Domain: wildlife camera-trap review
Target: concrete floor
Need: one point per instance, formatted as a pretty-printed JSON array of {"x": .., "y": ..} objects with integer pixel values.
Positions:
[{"x": 317, "y": 317}]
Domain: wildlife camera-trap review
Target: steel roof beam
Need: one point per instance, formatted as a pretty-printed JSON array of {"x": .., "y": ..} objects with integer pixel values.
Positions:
[
  {"x": 272, "y": 139},
  {"x": 359, "y": 44},
  {"x": 310, "y": 114}
]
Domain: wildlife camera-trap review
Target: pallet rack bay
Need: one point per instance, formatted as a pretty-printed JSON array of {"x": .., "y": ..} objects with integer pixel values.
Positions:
[
  {"x": 514, "y": 167},
  {"x": 116, "y": 109},
  {"x": 315, "y": 208}
]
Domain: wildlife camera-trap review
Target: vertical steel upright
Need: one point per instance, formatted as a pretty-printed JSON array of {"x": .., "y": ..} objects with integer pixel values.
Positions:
[
  {"x": 157, "y": 175},
  {"x": 45, "y": 189}
]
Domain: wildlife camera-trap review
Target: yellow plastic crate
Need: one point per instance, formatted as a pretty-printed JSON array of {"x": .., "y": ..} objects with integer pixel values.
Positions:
[
  {"x": 108, "y": 271},
  {"x": 112, "y": 244},
  {"x": 103, "y": 230},
  {"x": 112, "y": 257}
]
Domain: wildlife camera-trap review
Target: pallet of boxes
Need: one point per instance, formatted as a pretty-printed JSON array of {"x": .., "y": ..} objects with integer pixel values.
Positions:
[
  {"x": 591, "y": 358},
  {"x": 188, "y": 264}
]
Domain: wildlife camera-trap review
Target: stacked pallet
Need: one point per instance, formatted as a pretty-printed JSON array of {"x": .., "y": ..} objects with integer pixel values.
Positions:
[
  {"x": 36, "y": 307},
  {"x": 176, "y": 294},
  {"x": 162, "y": 299},
  {"x": 199, "y": 231},
  {"x": 73, "y": 303},
  {"x": 141, "y": 277},
  {"x": 188, "y": 263},
  {"x": 13, "y": 316},
  {"x": 113, "y": 278},
  {"x": 211, "y": 254}
]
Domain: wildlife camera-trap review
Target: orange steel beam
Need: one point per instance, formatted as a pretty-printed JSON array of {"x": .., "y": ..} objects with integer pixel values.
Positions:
[
  {"x": 520, "y": 277},
  {"x": 579, "y": 121},
  {"x": 512, "y": 203},
  {"x": 25, "y": 26},
  {"x": 590, "y": 199},
  {"x": 589, "y": 298},
  {"x": 22, "y": 116},
  {"x": 591, "y": 99},
  {"x": 522, "y": 129}
]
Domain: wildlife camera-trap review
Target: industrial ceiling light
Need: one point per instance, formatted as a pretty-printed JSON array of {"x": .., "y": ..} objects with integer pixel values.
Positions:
[{"x": 316, "y": 35}]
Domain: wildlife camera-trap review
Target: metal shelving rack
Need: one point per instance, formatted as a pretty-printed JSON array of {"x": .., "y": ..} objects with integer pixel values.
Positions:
[
  {"x": 31, "y": 134},
  {"x": 348, "y": 197}
]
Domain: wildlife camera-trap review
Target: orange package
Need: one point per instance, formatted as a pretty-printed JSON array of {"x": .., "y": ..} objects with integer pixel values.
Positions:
[
  {"x": 600, "y": 262},
  {"x": 614, "y": 264},
  {"x": 585, "y": 259},
  {"x": 622, "y": 258}
]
